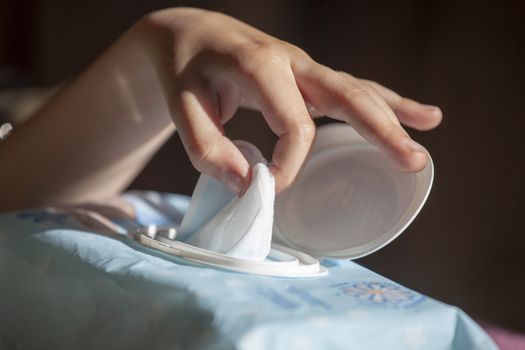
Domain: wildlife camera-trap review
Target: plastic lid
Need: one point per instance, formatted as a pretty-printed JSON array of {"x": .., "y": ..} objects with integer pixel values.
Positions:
[
  {"x": 349, "y": 200},
  {"x": 281, "y": 262}
]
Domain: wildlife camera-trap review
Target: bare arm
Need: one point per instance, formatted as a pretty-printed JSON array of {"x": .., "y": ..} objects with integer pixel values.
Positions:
[
  {"x": 192, "y": 68},
  {"x": 97, "y": 133}
]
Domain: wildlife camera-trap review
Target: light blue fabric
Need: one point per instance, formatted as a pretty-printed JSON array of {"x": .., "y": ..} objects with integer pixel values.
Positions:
[{"x": 62, "y": 287}]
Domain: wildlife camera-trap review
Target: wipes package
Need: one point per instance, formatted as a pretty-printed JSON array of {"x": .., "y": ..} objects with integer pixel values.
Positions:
[
  {"x": 64, "y": 286},
  {"x": 239, "y": 227}
]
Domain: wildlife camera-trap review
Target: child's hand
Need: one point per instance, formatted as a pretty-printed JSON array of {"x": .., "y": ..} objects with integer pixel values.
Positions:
[
  {"x": 220, "y": 64},
  {"x": 194, "y": 68}
]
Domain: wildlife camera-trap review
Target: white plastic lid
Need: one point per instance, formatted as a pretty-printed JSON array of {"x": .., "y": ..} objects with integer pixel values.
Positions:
[
  {"x": 350, "y": 200},
  {"x": 281, "y": 262}
]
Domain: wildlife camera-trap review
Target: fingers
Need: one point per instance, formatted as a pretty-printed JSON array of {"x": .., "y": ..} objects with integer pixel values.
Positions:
[
  {"x": 409, "y": 112},
  {"x": 285, "y": 111},
  {"x": 345, "y": 98},
  {"x": 288, "y": 95},
  {"x": 268, "y": 86},
  {"x": 209, "y": 150}
]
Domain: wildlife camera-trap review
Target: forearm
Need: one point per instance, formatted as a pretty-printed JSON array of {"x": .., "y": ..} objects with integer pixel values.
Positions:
[{"x": 98, "y": 132}]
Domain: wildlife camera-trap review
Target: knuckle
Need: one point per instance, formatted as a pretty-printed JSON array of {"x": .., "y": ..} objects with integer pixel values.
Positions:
[
  {"x": 297, "y": 51},
  {"x": 305, "y": 129},
  {"x": 351, "y": 93},
  {"x": 349, "y": 79},
  {"x": 254, "y": 59},
  {"x": 199, "y": 153},
  {"x": 369, "y": 82},
  {"x": 385, "y": 129},
  {"x": 369, "y": 88},
  {"x": 389, "y": 131}
]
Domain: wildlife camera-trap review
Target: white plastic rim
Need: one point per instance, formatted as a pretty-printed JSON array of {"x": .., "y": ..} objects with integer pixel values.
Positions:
[
  {"x": 283, "y": 262},
  {"x": 350, "y": 200}
]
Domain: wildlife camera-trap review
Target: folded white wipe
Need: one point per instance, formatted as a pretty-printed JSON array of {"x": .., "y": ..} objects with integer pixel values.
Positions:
[{"x": 220, "y": 221}]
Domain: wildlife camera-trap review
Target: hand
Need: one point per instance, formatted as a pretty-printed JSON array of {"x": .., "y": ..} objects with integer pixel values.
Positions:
[
  {"x": 192, "y": 69},
  {"x": 220, "y": 64}
]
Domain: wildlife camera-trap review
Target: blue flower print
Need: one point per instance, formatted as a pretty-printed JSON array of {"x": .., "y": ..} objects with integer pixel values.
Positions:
[{"x": 380, "y": 293}]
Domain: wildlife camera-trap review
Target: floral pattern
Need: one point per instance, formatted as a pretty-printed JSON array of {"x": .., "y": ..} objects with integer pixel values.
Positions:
[{"x": 380, "y": 293}]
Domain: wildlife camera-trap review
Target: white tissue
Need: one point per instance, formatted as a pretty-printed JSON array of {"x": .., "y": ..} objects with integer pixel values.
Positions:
[{"x": 220, "y": 221}]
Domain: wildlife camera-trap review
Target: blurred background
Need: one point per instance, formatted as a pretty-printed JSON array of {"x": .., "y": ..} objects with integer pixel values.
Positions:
[{"x": 467, "y": 247}]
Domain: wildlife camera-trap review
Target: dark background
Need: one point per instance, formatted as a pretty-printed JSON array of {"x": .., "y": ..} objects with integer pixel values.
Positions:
[{"x": 467, "y": 247}]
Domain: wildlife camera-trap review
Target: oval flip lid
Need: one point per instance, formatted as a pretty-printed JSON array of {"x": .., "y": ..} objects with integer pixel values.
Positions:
[{"x": 349, "y": 200}]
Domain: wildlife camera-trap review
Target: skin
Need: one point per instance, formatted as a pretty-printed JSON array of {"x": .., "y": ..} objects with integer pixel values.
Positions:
[{"x": 193, "y": 69}]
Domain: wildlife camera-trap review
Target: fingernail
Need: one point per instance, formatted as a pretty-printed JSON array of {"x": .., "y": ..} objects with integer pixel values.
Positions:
[
  {"x": 233, "y": 181},
  {"x": 414, "y": 146}
]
